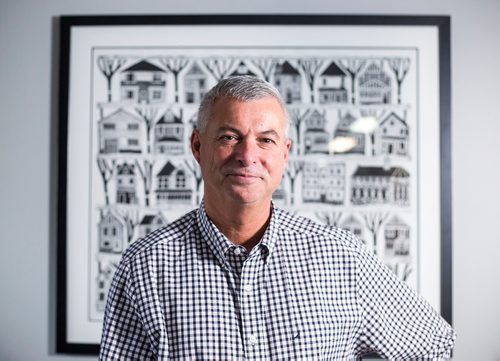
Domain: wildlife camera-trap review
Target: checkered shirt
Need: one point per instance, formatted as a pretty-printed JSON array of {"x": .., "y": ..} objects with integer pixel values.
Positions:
[{"x": 305, "y": 292}]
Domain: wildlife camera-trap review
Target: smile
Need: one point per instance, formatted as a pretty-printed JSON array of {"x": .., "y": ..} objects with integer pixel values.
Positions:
[{"x": 242, "y": 178}]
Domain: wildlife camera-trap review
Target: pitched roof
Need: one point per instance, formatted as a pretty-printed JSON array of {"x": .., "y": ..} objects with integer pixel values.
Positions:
[
  {"x": 120, "y": 115},
  {"x": 125, "y": 169},
  {"x": 170, "y": 139},
  {"x": 351, "y": 220},
  {"x": 392, "y": 114},
  {"x": 334, "y": 70},
  {"x": 195, "y": 70},
  {"x": 167, "y": 170},
  {"x": 395, "y": 220},
  {"x": 242, "y": 69},
  {"x": 286, "y": 68},
  {"x": 144, "y": 65},
  {"x": 149, "y": 218},
  {"x": 169, "y": 117},
  {"x": 379, "y": 171}
]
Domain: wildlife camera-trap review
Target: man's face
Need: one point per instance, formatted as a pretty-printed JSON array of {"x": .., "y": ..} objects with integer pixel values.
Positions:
[{"x": 243, "y": 150}]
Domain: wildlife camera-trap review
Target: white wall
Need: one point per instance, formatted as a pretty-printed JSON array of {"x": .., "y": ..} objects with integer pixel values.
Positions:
[{"x": 27, "y": 156}]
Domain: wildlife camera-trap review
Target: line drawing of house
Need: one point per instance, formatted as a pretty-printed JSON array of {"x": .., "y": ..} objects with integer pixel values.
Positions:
[
  {"x": 174, "y": 185},
  {"x": 169, "y": 134},
  {"x": 323, "y": 182},
  {"x": 195, "y": 84},
  {"x": 143, "y": 82},
  {"x": 375, "y": 185},
  {"x": 374, "y": 85},
  {"x": 344, "y": 130},
  {"x": 280, "y": 193},
  {"x": 289, "y": 82},
  {"x": 392, "y": 135},
  {"x": 397, "y": 238},
  {"x": 242, "y": 69},
  {"x": 150, "y": 223},
  {"x": 120, "y": 132},
  {"x": 112, "y": 237},
  {"x": 106, "y": 270},
  {"x": 353, "y": 225},
  {"x": 126, "y": 184},
  {"x": 316, "y": 138},
  {"x": 332, "y": 85}
]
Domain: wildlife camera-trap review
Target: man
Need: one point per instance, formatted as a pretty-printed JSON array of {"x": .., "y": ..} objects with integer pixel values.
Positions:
[{"x": 241, "y": 279}]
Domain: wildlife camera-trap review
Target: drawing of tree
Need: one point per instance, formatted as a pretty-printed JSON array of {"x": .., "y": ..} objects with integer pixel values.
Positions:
[
  {"x": 146, "y": 172},
  {"x": 310, "y": 67},
  {"x": 292, "y": 171},
  {"x": 373, "y": 221},
  {"x": 131, "y": 219},
  {"x": 106, "y": 168},
  {"x": 109, "y": 65},
  {"x": 266, "y": 66},
  {"x": 149, "y": 115},
  {"x": 194, "y": 168},
  {"x": 378, "y": 114},
  {"x": 353, "y": 66},
  {"x": 404, "y": 272},
  {"x": 297, "y": 117},
  {"x": 220, "y": 68},
  {"x": 400, "y": 67},
  {"x": 175, "y": 64},
  {"x": 330, "y": 218}
]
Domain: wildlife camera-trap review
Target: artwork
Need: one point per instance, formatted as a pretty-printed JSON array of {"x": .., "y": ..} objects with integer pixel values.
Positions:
[{"x": 369, "y": 138}]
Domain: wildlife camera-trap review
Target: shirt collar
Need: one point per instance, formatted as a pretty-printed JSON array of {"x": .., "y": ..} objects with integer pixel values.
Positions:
[{"x": 219, "y": 244}]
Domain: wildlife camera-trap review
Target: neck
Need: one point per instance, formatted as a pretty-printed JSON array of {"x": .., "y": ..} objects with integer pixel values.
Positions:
[{"x": 242, "y": 224}]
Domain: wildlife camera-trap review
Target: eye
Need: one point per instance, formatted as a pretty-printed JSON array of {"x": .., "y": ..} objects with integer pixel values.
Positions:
[
  {"x": 228, "y": 138},
  {"x": 267, "y": 140}
]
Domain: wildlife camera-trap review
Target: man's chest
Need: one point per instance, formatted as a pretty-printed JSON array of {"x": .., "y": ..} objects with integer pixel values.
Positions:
[{"x": 276, "y": 310}]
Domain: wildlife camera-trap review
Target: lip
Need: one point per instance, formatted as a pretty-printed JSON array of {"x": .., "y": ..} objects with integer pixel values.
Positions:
[{"x": 243, "y": 178}]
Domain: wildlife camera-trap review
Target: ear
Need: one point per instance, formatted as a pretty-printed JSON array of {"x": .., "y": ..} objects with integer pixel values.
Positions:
[
  {"x": 196, "y": 144},
  {"x": 288, "y": 145}
]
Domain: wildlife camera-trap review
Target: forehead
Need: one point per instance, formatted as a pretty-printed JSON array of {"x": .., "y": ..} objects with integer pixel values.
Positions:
[{"x": 228, "y": 109}]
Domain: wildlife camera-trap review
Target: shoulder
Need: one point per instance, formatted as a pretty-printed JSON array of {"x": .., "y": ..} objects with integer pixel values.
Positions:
[
  {"x": 170, "y": 237},
  {"x": 306, "y": 232}
]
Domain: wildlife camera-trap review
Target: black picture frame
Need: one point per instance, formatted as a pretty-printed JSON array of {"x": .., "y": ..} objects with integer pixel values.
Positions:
[{"x": 439, "y": 24}]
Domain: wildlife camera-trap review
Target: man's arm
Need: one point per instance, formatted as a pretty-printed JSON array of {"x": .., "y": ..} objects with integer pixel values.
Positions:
[
  {"x": 123, "y": 336},
  {"x": 399, "y": 324}
]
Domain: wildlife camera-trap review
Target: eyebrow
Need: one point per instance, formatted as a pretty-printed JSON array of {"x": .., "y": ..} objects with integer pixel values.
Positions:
[{"x": 270, "y": 132}]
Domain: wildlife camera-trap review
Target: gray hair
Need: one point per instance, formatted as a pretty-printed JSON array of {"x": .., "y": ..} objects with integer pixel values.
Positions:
[{"x": 243, "y": 88}]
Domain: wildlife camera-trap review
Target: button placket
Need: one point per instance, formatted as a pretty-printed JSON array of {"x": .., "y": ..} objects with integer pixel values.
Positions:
[{"x": 250, "y": 308}]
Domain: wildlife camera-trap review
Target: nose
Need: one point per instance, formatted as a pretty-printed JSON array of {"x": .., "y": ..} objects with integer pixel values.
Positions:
[{"x": 246, "y": 152}]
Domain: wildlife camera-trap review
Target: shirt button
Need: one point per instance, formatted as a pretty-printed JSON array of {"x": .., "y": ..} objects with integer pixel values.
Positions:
[
  {"x": 237, "y": 251},
  {"x": 252, "y": 339},
  {"x": 247, "y": 288}
]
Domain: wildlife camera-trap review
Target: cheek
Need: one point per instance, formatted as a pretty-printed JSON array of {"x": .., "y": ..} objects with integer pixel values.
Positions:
[{"x": 216, "y": 157}]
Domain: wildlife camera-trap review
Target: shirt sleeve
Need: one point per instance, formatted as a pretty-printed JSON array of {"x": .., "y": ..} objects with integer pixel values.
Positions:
[
  {"x": 398, "y": 323},
  {"x": 123, "y": 336}
]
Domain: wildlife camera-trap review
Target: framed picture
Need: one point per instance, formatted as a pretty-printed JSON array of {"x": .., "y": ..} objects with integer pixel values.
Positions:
[{"x": 368, "y": 99}]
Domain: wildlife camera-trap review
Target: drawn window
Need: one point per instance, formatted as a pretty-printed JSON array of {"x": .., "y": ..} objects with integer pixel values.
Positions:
[
  {"x": 180, "y": 180},
  {"x": 132, "y": 126},
  {"x": 163, "y": 182}
]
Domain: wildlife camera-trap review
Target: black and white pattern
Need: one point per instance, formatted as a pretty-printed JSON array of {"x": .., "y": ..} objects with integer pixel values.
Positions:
[
  {"x": 353, "y": 121},
  {"x": 306, "y": 291}
]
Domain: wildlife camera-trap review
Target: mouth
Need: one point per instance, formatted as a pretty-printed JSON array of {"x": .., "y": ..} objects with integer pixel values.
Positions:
[{"x": 243, "y": 178}]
